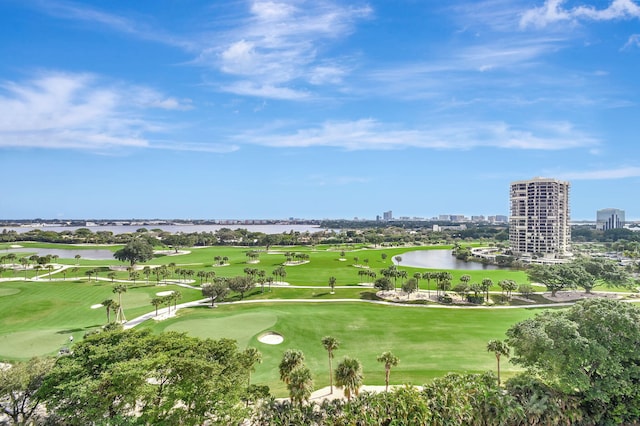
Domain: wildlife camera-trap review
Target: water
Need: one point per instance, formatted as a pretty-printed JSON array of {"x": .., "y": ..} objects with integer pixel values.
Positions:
[
  {"x": 187, "y": 229},
  {"x": 440, "y": 259},
  {"x": 90, "y": 254}
]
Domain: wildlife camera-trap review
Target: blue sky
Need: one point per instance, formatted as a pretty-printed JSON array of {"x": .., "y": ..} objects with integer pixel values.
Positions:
[{"x": 315, "y": 109}]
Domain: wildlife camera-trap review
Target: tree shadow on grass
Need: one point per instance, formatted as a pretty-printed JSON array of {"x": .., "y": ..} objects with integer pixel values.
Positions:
[
  {"x": 75, "y": 330},
  {"x": 320, "y": 294},
  {"x": 369, "y": 295}
]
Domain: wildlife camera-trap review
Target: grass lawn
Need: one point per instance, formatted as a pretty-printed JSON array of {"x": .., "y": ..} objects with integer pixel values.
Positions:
[
  {"x": 37, "y": 318},
  {"x": 429, "y": 341}
]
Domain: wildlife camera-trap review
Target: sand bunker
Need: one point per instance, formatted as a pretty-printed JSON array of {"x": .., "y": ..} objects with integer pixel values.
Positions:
[
  {"x": 164, "y": 293},
  {"x": 97, "y": 305},
  {"x": 271, "y": 338}
]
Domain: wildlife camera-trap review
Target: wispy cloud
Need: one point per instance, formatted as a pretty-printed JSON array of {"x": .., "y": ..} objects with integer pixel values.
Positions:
[
  {"x": 279, "y": 47},
  {"x": 553, "y": 11},
  {"x": 323, "y": 180},
  {"x": 633, "y": 41},
  {"x": 82, "y": 13},
  {"x": 369, "y": 134},
  {"x": 604, "y": 174},
  {"x": 78, "y": 111}
]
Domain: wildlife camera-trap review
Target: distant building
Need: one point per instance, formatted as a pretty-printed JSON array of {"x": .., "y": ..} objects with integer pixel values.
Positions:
[
  {"x": 539, "y": 222},
  {"x": 444, "y": 217},
  {"x": 609, "y": 219},
  {"x": 479, "y": 218},
  {"x": 501, "y": 218},
  {"x": 387, "y": 215}
]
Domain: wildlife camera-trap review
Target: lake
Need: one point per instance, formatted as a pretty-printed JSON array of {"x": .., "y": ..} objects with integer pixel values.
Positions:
[
  {"x": 90, "y": 254},
  {"x": 439, "y": 259}
]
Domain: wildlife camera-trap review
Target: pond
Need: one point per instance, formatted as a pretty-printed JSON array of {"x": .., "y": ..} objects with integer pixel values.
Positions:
[
  {"x": 440, "y": 259},
  {"x": 90, "y": 254}
]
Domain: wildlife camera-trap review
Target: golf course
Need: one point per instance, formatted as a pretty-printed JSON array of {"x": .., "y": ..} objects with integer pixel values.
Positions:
[{"x": 42, "y": 308}]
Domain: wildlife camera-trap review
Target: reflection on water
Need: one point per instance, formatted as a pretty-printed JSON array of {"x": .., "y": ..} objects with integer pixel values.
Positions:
[
  {"x": 90, "y": 254},
  {"x": 439, "y": 259}
]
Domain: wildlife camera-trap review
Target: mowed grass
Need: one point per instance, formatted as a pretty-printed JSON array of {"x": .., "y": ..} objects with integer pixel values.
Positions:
[
  {"x": 37, "y": 318},
  {"x": 430, "y": 342}
]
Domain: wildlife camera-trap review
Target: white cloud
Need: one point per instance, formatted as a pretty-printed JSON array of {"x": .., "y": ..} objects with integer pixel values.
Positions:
[
  {"x": 83, "y": 13},
  {"x": 633, "y": 41},
  {"x": 323, "y": 180},
  {"x": 279, "y": 47},
  {"x": 552, "y": 12},
  {"x": 77, "y": 111},
  {"x": 605, "y": 174},
  {"x": 369, "y": 134}
]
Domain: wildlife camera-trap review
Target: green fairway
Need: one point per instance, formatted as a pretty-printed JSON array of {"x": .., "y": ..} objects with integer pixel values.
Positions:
[
  {"x": 37, "y": 318},
  {"x": 429, "y": 341}
]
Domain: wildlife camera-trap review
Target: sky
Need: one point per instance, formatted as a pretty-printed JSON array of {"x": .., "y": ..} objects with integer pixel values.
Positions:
[{"x": 315, "y": 109}]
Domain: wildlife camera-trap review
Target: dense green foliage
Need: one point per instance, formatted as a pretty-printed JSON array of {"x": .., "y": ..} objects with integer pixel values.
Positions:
[
  {"x": 168, "y": 378},
  {"x": 589, "y": 351}
]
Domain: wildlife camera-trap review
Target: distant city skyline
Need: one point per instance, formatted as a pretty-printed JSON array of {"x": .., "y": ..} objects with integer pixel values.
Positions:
[{"x": 315, "y": 109}]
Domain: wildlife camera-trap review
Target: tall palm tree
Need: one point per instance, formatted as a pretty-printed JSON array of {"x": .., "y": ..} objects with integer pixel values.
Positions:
[
  {"x": 499, "y": 348},
  {"x": 332, "y": 284},
  {"x": 249, "y": 358},
  {"x": 77, "y": 257},
  {"x": 417, "y": 276},
  {"x": 349, "y": 376},
  {"x": 119, "y": 289},
  {"x": 50, "y": 269},
  {"x": 108, "y": 304},
  {"x": 389, "y": 360},
  {"x": 146, "y": 271},
  {"x": 330, "y": 343},
  {"x": 157, "y": 301},
  {"x": 486, "y": 285},
  {"x": 291, "y": 360}
]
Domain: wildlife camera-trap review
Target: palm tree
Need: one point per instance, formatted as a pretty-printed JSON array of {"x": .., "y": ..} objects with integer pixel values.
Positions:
[
  {"x": 77, "y": 257},
  {"x": 89, "y": 273},
  {"x": 300, "y": 385},
  {"x": 383, "y": 256},
  {"x": 417, "y": 276},
  {"x": 291, "y": 360},
  {"x": 332, "y": 284},
  {"x": 176, "y": 295},
  {"x": 398, "y": 259},
  {"x": 119, "y": 289},
  {"x": 389, "y": 360},
  {"x": 108, "y": 304},
  {"x": 112, "y": 276},
  {"x": 50, "y": 269},
  {"x": 249, "y": 358},
  {"x": 146, "y": 271},
  {"x": 157, "y": 301},
  {"x": 486, "y": 285},
  {"x": 330, "y": 344},
  {"x": 349, "y": 376},
  {"x": 499, "y": 348}
]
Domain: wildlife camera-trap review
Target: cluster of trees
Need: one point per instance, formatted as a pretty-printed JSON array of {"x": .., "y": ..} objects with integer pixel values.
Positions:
[
  {"x": 585, "y": 273},
  {"x": 582, "y": 368}
]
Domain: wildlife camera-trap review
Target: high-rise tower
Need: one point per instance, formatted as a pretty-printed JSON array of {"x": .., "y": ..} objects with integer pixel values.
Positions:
[
  {"x": 539, "y": 222},
  {"x": 609, "y": 219}
]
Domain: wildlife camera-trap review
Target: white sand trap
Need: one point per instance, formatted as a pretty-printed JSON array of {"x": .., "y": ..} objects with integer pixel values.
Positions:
[
  {"x": 271, "y": 338},
  {"x": 164, "y": 293},
  {"x": 97, "y": 305}
]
